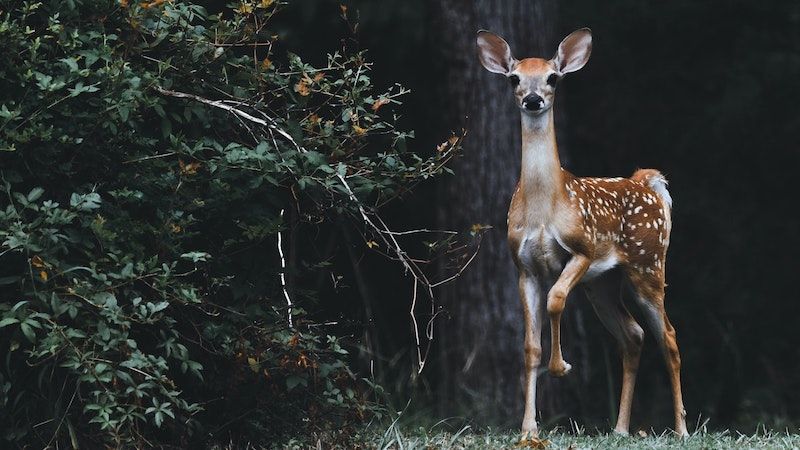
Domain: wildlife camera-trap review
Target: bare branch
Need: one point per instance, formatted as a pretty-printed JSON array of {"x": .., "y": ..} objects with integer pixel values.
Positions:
[
  {"x": 269, "y": 123},
  {"x": 370, "y": 219},
  {"x": 283, "y": 275}
]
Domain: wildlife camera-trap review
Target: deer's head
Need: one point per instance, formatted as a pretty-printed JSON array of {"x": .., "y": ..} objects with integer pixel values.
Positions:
[{"x": 534, "y": 80}]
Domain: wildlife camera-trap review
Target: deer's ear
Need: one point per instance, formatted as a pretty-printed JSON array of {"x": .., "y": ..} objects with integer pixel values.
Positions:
[
  {"x": 494, "y": 53},
  {"x": 573, "y": 52}
]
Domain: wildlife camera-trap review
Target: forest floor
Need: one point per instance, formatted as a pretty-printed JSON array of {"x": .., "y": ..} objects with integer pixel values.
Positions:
[
  {"x": 466, "y": 438},
  {"x": 396, "y": 438}
]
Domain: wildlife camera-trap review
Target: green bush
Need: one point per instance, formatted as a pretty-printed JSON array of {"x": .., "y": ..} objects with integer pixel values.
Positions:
[{"x": 148, "y": 152}]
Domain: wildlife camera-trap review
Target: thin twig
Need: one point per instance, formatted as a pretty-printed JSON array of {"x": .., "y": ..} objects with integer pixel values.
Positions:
[
  {"x": 283, "y": 275},
  {"x": 460, "y": 269},
  {"x": 416, "y": 328}
]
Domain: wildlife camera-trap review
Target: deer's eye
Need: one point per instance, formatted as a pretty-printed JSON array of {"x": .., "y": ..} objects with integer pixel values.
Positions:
[
  {"x": 514, "y": 80},
  {"x": 552, "y": 79}
]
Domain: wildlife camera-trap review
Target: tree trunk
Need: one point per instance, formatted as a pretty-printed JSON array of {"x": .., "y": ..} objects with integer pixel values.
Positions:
[{"x": 481, "y": 342}]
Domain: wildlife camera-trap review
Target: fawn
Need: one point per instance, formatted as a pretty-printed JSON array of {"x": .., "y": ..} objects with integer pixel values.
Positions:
[{"x": 564, "y": 230}]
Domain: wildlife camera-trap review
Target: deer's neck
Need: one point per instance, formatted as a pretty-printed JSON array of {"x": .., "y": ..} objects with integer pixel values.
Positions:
[{"x": 541, "y": 180}]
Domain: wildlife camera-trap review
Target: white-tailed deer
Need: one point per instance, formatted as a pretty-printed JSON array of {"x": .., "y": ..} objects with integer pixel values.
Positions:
[{"x": 564, "y": 230}]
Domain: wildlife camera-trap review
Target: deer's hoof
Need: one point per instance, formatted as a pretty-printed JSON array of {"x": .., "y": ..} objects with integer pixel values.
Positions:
[
  {"x": 559, "y": 368},
  {"x": 528, "y": 434},
  {"x": 529, "y": 430}
]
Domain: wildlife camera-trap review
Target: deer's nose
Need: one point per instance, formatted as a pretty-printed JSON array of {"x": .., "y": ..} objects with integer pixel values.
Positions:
[{"x": 532, "y": 102}]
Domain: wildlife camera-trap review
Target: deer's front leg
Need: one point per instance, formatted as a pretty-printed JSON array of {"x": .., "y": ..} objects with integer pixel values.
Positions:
[
  {"x": 556, "y": 299},
  {"x": 530, "y": 291}
]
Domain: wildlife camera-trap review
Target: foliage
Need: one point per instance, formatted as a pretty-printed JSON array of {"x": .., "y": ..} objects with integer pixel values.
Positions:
[{"x": 149, "y": 151}]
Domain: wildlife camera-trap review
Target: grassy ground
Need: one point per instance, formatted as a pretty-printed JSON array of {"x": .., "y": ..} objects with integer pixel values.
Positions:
[{"x": 466, "y": 438}]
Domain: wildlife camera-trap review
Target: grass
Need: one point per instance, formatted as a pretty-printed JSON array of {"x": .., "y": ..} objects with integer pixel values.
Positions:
[
  {"x": 466, "y": 438},
  {"x": 446, "y": 437}
]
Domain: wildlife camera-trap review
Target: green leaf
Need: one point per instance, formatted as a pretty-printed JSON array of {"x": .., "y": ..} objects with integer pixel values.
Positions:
[
  {"x": 85, "y": 202},
  {"x": 8, "y": 321},
  {"x": 123, "y": 111},
  {"x": 294, "y": 380},
  {"x": 34, "y": 194},
  {"x": 28, "y": 332},
  {"x": 72, "y": 63},
  {"x": 196, "y": 256}
]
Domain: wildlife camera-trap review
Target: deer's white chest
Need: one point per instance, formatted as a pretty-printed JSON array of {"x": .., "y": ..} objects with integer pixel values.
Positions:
[{"x": 539, "y": 250}]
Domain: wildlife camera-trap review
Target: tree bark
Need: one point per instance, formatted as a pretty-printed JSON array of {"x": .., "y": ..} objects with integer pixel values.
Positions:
[{"x": 481, "y": 341}]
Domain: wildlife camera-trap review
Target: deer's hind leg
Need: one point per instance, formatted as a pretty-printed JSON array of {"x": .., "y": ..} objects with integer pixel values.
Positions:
[
  {"x": 604, "y": 293},
  {"x": 649, "y": 290}
]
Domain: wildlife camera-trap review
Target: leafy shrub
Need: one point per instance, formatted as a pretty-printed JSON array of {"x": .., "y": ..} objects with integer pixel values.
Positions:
[{"x": 151, "y": 155}]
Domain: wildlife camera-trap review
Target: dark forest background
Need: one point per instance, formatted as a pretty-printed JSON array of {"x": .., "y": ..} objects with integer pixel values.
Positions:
[
  {"x": 145, "y": 216},
  {"x": 707, "y": 92}
]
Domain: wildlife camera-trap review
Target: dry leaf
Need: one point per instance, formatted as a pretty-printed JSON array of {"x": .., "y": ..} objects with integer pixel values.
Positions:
[
  {"x": 302, "y": 87},
  {"x": 318, "y": 77},
  {"x": 344, "y": 10},
  {"x": 188, "y": 169},
  {"x": 123, "y": 3},
  {"x": 448, "y": 144},
  {"x": 313, "y": 120},
  {"x": 252, "y": 363},
  {"x": 175, "y": 228},
  {"x": 478, "y": 227},
  {"x": 43, "y": 275},
  {"x": 378, "y": 103},
  {"x": 37, "y": 262},
  {"x": 245, "y": 8},
  {"x": 302, "y": 361},
  {"x": 358, "y": 130},
  {"x": 372, "y": 244},
  {"x": 152, "y": 4},
  {"x": 266, "y": 64},
  {"x": 265, "y": 3},
  {"x": 533, "y": 443}
]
